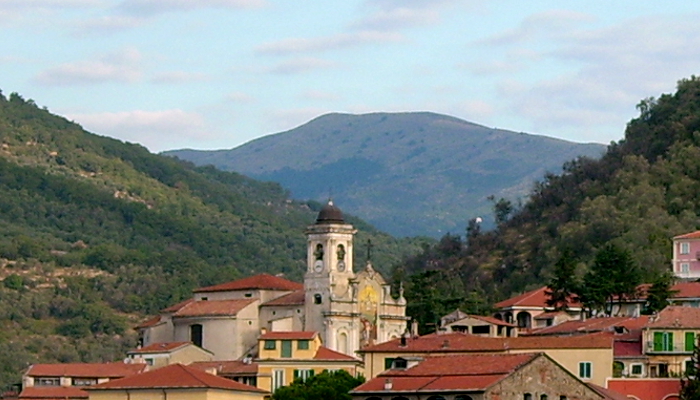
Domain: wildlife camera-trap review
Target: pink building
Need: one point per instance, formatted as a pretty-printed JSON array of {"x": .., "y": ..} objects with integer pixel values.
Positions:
[{"x": 686, "y": 252}]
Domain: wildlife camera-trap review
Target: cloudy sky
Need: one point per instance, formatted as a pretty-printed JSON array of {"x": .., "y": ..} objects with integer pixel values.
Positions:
[{"x": 212, "y": 74}]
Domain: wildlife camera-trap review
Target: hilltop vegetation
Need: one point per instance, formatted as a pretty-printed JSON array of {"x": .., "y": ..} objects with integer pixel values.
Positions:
[
  {"x": 409, "y": 174},
  {"x": 95, "y": 234},
  {"x": 639, "y": 195}
]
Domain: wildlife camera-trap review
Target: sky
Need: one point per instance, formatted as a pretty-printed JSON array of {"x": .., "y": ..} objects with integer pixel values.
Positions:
[{"x": 214, "y": 74}]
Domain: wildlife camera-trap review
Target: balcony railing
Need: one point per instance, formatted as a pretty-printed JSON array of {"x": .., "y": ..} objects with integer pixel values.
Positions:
[{"x": 668, "y": 349}]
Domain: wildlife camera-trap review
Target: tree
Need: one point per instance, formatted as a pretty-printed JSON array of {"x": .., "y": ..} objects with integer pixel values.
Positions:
[
  {"x": 690, "y": 382},
  {"x": 324, "y": 386},
  {"x": 613, "y": 277},
  {"x": 659, "y": 292},
  {"x": 562, "y": 287}
]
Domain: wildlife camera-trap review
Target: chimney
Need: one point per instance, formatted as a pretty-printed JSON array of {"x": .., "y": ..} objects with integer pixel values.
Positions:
[
  {"x": 414, "y": 329},
  {"x": 388, "y": 385},
  {"x": 263, "y": 331},
  {"x": 403, "y": 340},
  {"x": 445, "y": 344}
]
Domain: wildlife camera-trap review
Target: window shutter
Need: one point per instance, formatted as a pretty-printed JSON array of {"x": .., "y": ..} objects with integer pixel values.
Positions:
[
  {"x": 296, "y": 374},
  {"x": 388, "y": 362},
  {"x": 669, "y": 341},
  {"x": 689, "y": 341},
  {"x": 658, "y": 341}
]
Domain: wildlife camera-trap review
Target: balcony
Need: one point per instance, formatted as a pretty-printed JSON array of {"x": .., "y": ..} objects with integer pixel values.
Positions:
[{"x": 666, "y": 348}]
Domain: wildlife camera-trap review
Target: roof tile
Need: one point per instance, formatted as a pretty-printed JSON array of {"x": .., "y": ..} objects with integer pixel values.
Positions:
[
  {"x": 86, "y": 370},
  {"x": 676, "y": 317},
  {"x": 259, "y": 282},
  {"x": 324, "y": 353},
  {"x": 164, "y": 347},
  {"x": 291, "y": 335},
  {"x": 233, "y": 367},
  {"x": 291, "y": 299},
  {"x": 213, "y": 308},
  {"x": 53, "y": 392},
  {"x": 533, "y": 298}
]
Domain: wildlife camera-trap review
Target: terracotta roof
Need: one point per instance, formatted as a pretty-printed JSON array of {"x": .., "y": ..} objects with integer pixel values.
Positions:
[
  {"x": 213, "y": 308},
  {"x": 326, "y": 354},
  {"x": 691, "y": 235},
  {"x": 490, "y": 320},
  {"x": 291, "y": 299},
  {"x": 676, "y": 317},
  {"x": 646, "y": 389},
  {"x": 53, "y": 392},
  {"x": 686, "y": 290},
  {"x": 298, "y": 335},
  {"x": 163, "y": 347},
  {"x": 608, "y": 394},
  {"x": 550, "y": 314},
  {"x": 148, "y": 323},
  {"x": 175, "y": 376},
  {"x": 259, "y": 282},
  {"x": 593, "y": 325},
  {"x": 86, "y": 370},
  {"x": 632, "y": 349},
  {"x": 177, "y": 306},
  {"x": 454, "y": 372},
  {"x": 463, "y": 342},
  {"x": 533, "y": 298},
  {"x": 234, "y": 367}
]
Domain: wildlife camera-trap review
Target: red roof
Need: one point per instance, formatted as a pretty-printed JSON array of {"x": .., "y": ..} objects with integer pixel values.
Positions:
[
  {"x": 326, "y": 354},
  {"x": 691, "y": 235},
  {"x": 177, "y": 306},
  {"x": 533, "y": 298},
  {"x": 608, "y": 394},
  {"x": 148, "y": 323},
  {"x": 298, "y": 335},
  {"x": 53, "y": 392},
  {"x": 291, "y": 299},
  {"x": 490, "y": 320},
  {"x": 175, "y": 376},
  {"x": 646, "y": 389},
  {"x": 227, "y": 367},
  {"x": 676, "y": 317},
  {"x": 454, "y": 372},
  {"x": 463, "y": 342},
  {"x": 213, "y": 307},
  {"x": 160, "y": 347},
  {"x": 85, "y": 370},
  {"x": 593, "y": 325},
  {"x": 628, "y": 349},
  {"x": 686, "y": 290},
  {"x": 256, "y": 282}
]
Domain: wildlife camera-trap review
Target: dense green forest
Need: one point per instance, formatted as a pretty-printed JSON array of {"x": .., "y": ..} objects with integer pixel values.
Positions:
[
  {"x": 639, "y": 195},
  {"x": 96, "y": 234}
]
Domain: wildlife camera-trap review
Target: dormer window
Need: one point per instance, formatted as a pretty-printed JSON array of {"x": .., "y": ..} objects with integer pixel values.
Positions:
[{"x": 399, "y": 363}]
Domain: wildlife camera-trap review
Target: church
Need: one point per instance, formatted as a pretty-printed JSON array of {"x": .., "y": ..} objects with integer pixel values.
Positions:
[{"x": 348, "y": 309}]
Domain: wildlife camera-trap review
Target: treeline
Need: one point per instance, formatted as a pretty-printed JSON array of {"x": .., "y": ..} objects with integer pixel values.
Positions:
[{"x": 639, "y": 195}]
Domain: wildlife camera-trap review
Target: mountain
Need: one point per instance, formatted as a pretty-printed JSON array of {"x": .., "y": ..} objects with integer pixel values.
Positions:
[
  {"x": 408, "y": 174},
  {"x": 96, "y": 233},
  {"x": 636, "y": 198}
]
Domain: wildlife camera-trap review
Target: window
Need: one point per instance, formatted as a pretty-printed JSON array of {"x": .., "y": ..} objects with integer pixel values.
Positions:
[
  {"x": 84, "y": 382},
  {"x": 685, "y": 248},
  {"x": 663, "y": 341},
  {"x": 689, "y": 368},
  {"x": 636, "y": 369},
  {"x": 248, "y": 295},
  {"x": 543, "y": 397},
  {"x": 47, "y": 381},
  {"x": 689, "y": 341},
  {"x": 463, "y": 397},
  {"x": 685, "y": 267},
  {"x": 277, "y": 379},
  {"x": 481, "y": 329},
  {"x": 318, "y": 299},
  {"x": 149, "y": 361},
  {"x": 269, "y": 345},
  {"x": 527, "y": 396},
  {"x": 388, "y": 362},
  {"x": 562, "y": 397},
  {"x": 436, "y": 398},
  {"x": 400, "y": 363},
  {"x": 196, "y": 334},
  {"x": 319, "y": 252},
  {"x": 584, "y": 370},
  {"x": 303, "y": 345},
  {"x": 303, "y": 374},
  {"x": 205, "y": 298},
  {"x": 286, "y": 348}
]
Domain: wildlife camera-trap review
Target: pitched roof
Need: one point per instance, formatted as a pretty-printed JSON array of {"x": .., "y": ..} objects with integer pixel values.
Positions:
[
  {"x": 608, "y": 394},
  {"x": 177, "y": 306},
  {"x": 259, "y": 282},
  {"x": 148, "y": 323},
  {"x": 53, "y": 392},
  {"x": 533, "y": 298},
  {"x": 291, "y": 299},
  {"x": 213, "y": 308},
  {"x": 462, "y": 342},
  {"x": 292, "y": 335},
  {"x": 326, "y": 354},
  {"x": 685, "y": 290},
  {"x": 490, "y": 320},
  {"x": 676, "y": 317},
  {"x": 628, "y": 349},
  {"x": 453, "y": 372},
  {"x": 175, "y": 376},
  {"x": 86, "y": 370},
  {"x": 164, "y": 347},
  {"x": 691, "y": 235},
  {"x": 593, "y": 325},
  {"x": 233, "y": 367},
  {"x": 647, "y": 388}
]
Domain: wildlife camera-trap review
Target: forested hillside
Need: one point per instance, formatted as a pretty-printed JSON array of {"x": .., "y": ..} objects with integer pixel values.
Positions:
[
  {"x": 641, "y": 193},
  {"x": 95, "y": 234}
]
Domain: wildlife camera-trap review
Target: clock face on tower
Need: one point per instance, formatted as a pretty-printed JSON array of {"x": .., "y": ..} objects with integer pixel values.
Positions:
[
  {"x": 318, "y": 265},
  {"x": 341, "y": 266}
]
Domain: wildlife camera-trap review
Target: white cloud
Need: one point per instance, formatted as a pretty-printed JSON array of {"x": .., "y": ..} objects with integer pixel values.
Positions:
[
  {"x": 123, "y": 66},
  {"x": 107, "y": 24},
  {"x": 398, "y": 18},
  {"x": 174, "y": 77},
  {"x": 552, "y": 23},
  {"x": 302, "y": 65},
  {"x": 153, "y": 129},
  {"x": 239, "y": 97},
  {"x": 334, "y": 42},
  {"x": 151, "y": 7}
]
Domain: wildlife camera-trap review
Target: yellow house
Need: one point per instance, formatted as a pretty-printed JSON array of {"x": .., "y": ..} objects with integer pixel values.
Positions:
[
  {"x": 286, "y": 356},
  {"x": 669, "y": 338},
  {"x": 589, "y": 357},
  {"x": 159, "y": 355},
  {"x": 175, "y": 382}
]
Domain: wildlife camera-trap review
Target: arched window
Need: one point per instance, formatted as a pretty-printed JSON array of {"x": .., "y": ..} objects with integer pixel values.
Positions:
[
  {"x": 341, "y": 252},
  {"x": 399, "y": 398},
  {"x": 196, "y": 334},
  {"x": 527, "y": 396},
  {"x": 463, "y": 397},
  {"x": 524, "y": 319},
  {"x": 543, "y": 397},
  {"x": 319, "y": 252},
  {"x": 343, "y": 342},
  {"x": 436, "y": 398}
]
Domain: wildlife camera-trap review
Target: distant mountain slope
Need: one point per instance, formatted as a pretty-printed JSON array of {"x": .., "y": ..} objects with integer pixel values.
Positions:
[{"x": 406, "y": 173}]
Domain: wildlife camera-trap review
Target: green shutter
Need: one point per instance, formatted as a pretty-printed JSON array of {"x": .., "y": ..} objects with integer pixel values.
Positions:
[
  {"x": 296, "y": 374},
  {"x": 669, "y": 341},
  {"x": 388, "y": 362},
  {"x": 588, "y": 370},
  {"x": 311, "y": 373},
  {"x": 286, "y": 348},
  {"x": 689, "y": 341},
  {"x": 658, "y": 341},
  {"x": 581, "y": 370},
  {"x": 303, "y": 345}
]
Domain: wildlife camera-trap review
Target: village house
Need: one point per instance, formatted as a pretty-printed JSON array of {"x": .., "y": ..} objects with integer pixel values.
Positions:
[
  {"x": 158, "y": 355},
  {"x": 522, "y": 310},
  {"x": 686, "y": 255},
  {"x": 480, "y": 325}
]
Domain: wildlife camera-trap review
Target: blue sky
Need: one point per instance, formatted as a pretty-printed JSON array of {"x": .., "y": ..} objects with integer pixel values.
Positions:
[{"x": 213, "y": 74}]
